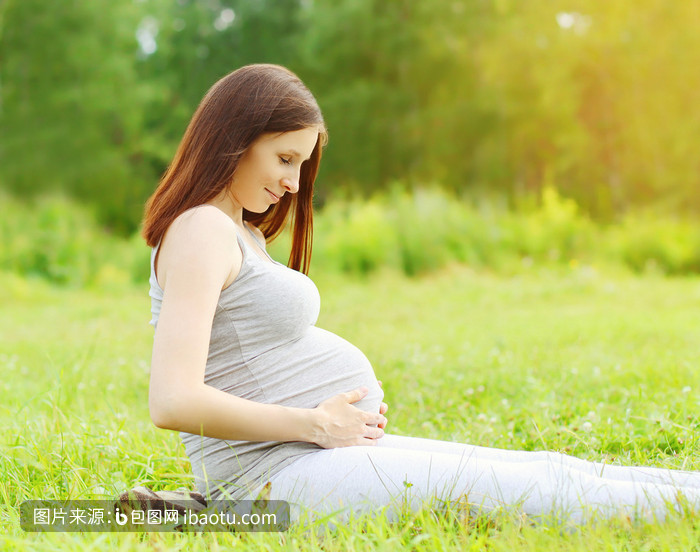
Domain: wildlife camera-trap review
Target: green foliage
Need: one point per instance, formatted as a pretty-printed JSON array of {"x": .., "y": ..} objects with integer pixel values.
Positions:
[
  {"x": 422, "y": 231},
  {"x": 554, "y": 230},
  {"x": 56, "y": 239},
  {"x": 71, "y": 106},
  {"x": 595, "y": 98},
  {"x": 59, "y": 240},
  {"x": 356, "y": 236},
  {"x": 430, "y": 228},
  {"x": 646, "y": 242}
]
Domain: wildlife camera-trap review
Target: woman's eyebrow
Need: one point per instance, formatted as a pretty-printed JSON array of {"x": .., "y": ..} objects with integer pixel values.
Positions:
[{"x": 295, "y": 152}]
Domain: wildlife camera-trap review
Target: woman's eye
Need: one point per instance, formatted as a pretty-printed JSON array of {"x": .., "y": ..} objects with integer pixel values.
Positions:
[{"x": 286, "y": 161}]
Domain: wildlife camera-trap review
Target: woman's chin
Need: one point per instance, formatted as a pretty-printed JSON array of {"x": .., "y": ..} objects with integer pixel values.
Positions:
[{"x": 259, "y": 208}]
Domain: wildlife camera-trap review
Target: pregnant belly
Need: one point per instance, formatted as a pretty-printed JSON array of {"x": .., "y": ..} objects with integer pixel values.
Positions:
[{"x": 313, "y": 368}]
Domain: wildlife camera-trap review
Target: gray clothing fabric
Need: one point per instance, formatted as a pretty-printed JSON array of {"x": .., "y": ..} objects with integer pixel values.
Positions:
[{"x": 265, "y": 347}]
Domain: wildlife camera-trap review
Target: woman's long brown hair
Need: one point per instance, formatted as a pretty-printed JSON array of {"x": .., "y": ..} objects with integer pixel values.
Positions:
[{"x": 251, "y": 101}]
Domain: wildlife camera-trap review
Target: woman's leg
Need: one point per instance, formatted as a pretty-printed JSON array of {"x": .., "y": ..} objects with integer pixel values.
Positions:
[
  {"x": 677, "y": 478},
  {"x": 364, "y": 479}
]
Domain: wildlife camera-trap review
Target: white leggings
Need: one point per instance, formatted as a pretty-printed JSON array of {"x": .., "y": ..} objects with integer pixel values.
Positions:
[{"x": 408, "y": 471}]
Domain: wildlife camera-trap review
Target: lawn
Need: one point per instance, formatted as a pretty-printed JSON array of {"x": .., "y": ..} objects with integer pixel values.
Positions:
[{"x": 599, "y": 365}]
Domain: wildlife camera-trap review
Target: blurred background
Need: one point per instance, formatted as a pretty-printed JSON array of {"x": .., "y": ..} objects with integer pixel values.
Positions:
[{"x": 515, "y": 132}]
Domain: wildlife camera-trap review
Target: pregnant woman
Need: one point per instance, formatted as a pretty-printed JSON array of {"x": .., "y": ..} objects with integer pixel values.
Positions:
[{"x": 258, "y": 392}]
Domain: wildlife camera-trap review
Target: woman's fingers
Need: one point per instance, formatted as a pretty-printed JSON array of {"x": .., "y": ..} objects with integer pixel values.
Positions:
[
  {"x": 374, "y": 419},
  {"x": 374, "y": 432},
  {"x": 356, "y": 394},
  {"x": 346, "y": 425},
  {"x": 383, "y": 407},
  {"x": 368, "y": 437}
]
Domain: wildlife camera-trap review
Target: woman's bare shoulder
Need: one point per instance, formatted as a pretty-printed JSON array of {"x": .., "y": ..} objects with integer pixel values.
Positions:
[
  {"x": 202, "y": 237},
  {"x": 199, "y": 225},
  {"x": 203, "y": 219}
]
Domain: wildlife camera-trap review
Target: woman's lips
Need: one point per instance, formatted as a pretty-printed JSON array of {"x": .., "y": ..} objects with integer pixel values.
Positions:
[{"x": 273, "y": 196}]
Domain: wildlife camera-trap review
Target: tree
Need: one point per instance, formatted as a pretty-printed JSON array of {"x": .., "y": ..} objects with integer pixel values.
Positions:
[{"x": 72, "y": 107}]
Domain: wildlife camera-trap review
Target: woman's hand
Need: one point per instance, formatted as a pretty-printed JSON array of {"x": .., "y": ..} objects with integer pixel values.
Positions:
[
  {"x": 340, "y": 424},
  {"x": 383, "y": 407}
]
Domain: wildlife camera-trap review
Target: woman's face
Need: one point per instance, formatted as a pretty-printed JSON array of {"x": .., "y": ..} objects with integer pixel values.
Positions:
[{"x": 270, "y": 167}]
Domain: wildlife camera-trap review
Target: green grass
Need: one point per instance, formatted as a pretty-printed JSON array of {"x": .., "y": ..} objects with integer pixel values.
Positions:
[{"x": 599, "y": 365}]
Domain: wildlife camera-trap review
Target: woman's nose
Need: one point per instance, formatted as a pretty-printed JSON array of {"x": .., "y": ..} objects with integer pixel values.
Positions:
[{"x": 291, "y": 184}]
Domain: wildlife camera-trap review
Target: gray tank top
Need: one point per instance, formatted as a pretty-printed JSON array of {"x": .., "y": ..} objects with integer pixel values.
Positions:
[{"x": 265, "y": 347}]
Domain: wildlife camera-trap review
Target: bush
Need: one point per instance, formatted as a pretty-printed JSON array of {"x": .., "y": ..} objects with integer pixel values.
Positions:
[
  {"x": 553, "y": 231},
  {"x": 59, "y": 240},
  {"x": 355, "y": 237},
  {"x": 645, "y": 242},
  {"x": 428, "y": 228}
]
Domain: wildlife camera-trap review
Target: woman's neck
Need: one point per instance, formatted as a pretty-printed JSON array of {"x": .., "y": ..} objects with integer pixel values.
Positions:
[{"x": 224, "y": 203}]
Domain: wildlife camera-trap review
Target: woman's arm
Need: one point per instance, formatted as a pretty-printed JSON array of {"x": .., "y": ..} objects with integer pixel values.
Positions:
[{"x": 198, "y": 256}]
